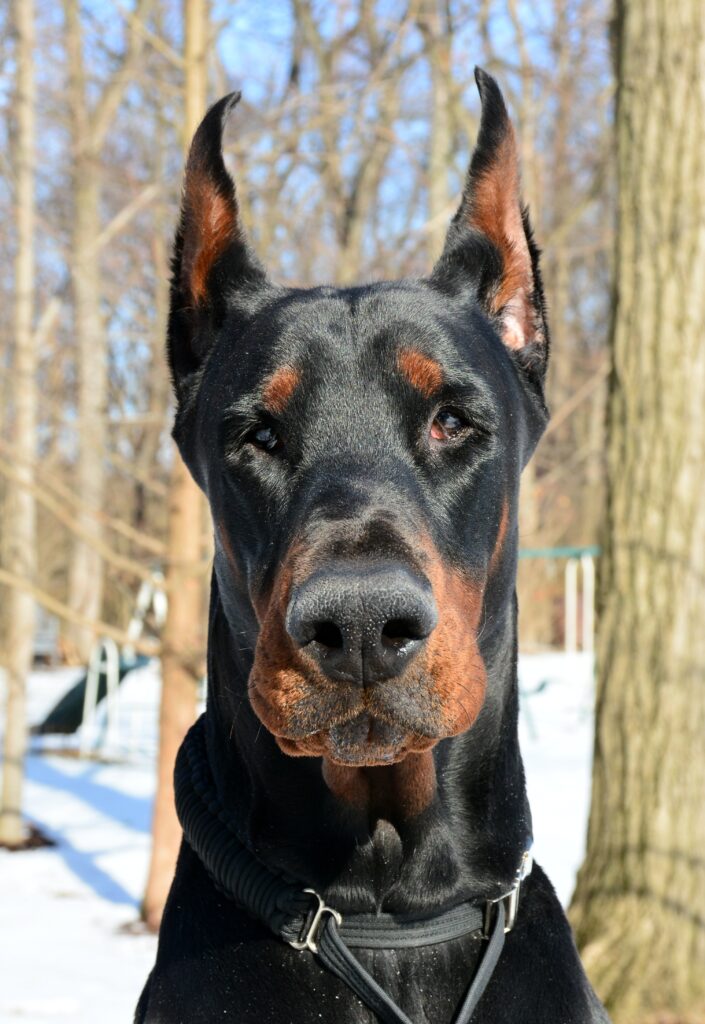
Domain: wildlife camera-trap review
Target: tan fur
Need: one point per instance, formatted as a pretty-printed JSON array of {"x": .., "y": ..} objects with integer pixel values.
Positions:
[
  {"x": 212, "y": 226},
  {"x": 452, "y": 658},
  {"x": 279, "y": 388},
  {"x": 496, "y": 212},
  {"x": 395, "y": 792},
  {"x": 284, "y": 681},
  {"x": 286, "y": 685},
  {"x": 422, "y": 372}
]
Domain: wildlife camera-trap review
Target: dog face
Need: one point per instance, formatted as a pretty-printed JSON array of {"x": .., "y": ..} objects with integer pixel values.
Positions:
[{"x": 361, "y": 449}]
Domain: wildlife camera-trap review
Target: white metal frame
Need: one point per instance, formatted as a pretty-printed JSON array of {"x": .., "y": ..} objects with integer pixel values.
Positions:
[
  {"x": 584, "y": 622},
  {"x": 105, "y": 657}
]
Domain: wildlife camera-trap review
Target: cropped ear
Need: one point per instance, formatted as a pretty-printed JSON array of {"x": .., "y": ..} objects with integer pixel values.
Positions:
[
  {"x": 490, "y": 244},
  {"x": 212, "y": 259}
]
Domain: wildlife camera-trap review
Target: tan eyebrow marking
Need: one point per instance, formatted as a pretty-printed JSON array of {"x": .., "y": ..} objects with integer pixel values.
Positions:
[
  {"x": 280, "y": 387},
  {"x": 421, "y": 371}
]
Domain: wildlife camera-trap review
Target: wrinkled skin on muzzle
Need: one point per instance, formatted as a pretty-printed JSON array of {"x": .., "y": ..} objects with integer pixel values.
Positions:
[{"x": 378, "y": 701}]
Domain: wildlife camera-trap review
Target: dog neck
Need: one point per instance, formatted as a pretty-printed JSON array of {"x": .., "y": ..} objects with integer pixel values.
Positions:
[{"x": 371, "y": 838}]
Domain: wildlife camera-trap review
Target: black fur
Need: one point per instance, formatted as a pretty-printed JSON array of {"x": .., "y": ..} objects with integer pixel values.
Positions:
[{"x": 354, "y": 474}]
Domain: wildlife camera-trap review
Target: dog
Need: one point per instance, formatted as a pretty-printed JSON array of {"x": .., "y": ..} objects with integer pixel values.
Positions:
[{"x": 361, "y": 450}]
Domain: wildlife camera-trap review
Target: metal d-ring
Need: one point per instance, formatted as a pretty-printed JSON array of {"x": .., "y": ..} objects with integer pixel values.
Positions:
[{"x": 309, "y": 941}]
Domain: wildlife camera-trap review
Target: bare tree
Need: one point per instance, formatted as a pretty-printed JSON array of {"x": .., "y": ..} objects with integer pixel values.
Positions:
[
  {"x": 347, "y": 143},
  {"x": 352, "y": 162},
  {"x": 639, "y": 906},
  {"x": 435, "y": 23},
  {"x": 90, "y": 123},
  {"x": 183, "y": 642},
  {"x": 20, "y": 513}
]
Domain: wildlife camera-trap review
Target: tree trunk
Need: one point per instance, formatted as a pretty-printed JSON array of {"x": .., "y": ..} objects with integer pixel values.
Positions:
[
  {"x": 183, "y": 641},
  {"x": 20, "y": 521},
  {"x": 89, "y": 126},
  {"x": 639, "y": 906},
  {"x": 437, "y": 31},
  {"x": 86, "y": 568}
]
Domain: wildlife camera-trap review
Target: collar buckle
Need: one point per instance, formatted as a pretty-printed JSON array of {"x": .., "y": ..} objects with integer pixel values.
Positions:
[
  {"x": 509, "y": 899},
  {"x": 511, "y": 906},
  {"x": 313, "y": 924}
]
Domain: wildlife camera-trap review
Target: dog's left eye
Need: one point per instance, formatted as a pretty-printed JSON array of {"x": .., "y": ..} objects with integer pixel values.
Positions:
[
  {"x": 265, "y": 438},
  {"x": 448, "y": 425}
]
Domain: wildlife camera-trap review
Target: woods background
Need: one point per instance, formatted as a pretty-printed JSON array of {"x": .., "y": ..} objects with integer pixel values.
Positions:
[{"x": 349, "y": 149}]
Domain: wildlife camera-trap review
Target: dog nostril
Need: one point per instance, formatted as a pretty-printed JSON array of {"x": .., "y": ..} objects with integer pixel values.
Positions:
[
  {"x": 328, "y": 635},
  {"x": 398, "y": 632}
]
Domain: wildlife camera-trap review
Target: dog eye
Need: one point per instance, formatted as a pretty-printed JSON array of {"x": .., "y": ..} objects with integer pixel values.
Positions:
[
  {"x": 448, "y": 425},
  {"x": 265, "y": 438}
]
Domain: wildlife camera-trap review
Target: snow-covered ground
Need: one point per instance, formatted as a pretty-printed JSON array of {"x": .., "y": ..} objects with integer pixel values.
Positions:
[{"x": 66, "y": 952}]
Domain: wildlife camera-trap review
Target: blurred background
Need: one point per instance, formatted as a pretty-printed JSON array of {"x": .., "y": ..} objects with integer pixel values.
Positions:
[{"x": 349, "y": 149}]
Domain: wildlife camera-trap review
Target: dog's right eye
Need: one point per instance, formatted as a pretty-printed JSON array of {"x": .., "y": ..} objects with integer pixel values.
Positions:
[{"x": 265, "y": 438}]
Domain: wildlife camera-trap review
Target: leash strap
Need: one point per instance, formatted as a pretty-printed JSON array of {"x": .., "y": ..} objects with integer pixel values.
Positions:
[
  {"x": 337, "y": 957},
  {"x": 301, "y": 918}
]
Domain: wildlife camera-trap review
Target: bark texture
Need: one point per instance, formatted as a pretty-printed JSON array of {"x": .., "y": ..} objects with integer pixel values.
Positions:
[
  {"x": 437, "y": 30},
  {"x": 183, "y": 643},
  {"x": 89, "y": 125},
  {"x": 20, "y": 513},
  {"x": 639, "y": 906},
  {"x": 86, "y": 568}
]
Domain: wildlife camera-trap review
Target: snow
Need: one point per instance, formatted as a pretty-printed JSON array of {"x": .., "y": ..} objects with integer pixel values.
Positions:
[
  {"x": 66, "y": 948},
  {"x": 555, "y": 731},
  {"x": 63, "y": 954}
]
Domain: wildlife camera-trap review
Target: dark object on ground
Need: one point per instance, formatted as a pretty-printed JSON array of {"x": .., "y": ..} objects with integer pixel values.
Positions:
[
  {"x": 66, "y": 716},
  {"x": 34, "y": 840},
  {"x": 361, "y": 451}
]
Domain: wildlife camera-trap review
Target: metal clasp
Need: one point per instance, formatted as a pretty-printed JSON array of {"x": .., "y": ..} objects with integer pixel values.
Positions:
[
  {"x": 509, "y": 899},
  {"x": 310, "y": 939},
  {"x": 511, "y": 906}
]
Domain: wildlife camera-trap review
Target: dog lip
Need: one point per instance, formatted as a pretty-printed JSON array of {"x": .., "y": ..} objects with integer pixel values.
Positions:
[
  {"x": 321, "y": 727},
  {"x": 384, "y": 719},
  {"x": 331, "y": 706},
  {"x": 368, "y": 758},
  {"x": 366, "y": 740}
]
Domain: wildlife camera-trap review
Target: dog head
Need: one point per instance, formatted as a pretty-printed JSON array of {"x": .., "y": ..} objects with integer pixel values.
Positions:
[{"x": 361, "y": 450}]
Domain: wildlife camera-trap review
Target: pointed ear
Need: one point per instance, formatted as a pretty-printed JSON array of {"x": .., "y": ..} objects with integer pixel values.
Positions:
[
  {"x": 212, "y": 260},
  {"x": 490, "y": 244}
]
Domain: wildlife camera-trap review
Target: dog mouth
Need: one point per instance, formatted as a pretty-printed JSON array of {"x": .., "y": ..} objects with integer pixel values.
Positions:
[{"x": 365, "y": 741}]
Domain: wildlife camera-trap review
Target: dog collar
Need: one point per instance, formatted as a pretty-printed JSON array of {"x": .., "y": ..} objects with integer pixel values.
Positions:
[{"x": 300, "y": 917}]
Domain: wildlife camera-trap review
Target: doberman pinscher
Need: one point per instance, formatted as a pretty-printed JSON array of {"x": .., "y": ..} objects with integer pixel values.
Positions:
[{"x": 361, "y": 450}]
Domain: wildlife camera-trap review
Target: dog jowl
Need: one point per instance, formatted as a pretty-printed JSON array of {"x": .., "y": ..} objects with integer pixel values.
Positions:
[{"x": 361, "y": 450}]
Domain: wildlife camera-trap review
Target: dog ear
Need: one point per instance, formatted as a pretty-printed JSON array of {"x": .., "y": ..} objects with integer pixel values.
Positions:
[
  {"x": 212, "y": 259},
  {"x": 490, "y": 243}
]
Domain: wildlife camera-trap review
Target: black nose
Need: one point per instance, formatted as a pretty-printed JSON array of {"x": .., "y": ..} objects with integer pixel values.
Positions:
[{"x": 362, "y": 624}]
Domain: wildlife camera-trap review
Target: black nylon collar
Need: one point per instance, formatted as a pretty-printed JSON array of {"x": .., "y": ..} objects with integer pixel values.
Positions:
[{"x": 300, "y": 917}]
